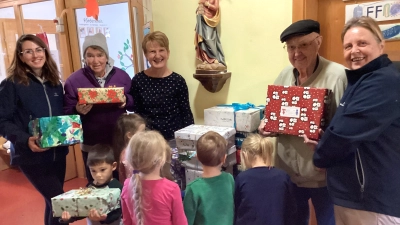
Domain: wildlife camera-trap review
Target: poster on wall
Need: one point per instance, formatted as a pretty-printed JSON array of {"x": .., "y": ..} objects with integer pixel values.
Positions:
[
  {"x": 380, "y": 11},
  {"x": 391, "y": 31},
  {"x": 115, "y": 28}
]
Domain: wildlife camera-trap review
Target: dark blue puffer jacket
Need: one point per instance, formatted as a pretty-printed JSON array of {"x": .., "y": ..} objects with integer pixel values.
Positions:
[
  {"x": 361, "y": 146},
  {"x": 21, "y": 103}
]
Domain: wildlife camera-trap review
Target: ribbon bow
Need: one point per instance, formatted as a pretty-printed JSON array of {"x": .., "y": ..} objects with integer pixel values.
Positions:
[
  {"x": 84, "y": 191},
  {"x": 238, "y": 106}
]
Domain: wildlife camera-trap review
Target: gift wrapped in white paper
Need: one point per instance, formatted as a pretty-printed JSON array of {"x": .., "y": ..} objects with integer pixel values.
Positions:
[
  {"x": 186, "y": 138},
  {"x": 245, "y": 120},
  {"x": 194, "y": 163}
]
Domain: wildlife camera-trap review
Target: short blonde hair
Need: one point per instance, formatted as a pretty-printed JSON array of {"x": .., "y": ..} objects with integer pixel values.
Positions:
[
  {"x": 256, "y": 145},
  {"x": 156, "y": 36},
  {"x": 146, "y": 150},
  {"x": 211, "y": 148},
  {"x": 364, "y": 22}
]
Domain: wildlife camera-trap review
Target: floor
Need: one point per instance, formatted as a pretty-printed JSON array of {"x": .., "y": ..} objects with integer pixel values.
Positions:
[{"x": 21, "y": 204}]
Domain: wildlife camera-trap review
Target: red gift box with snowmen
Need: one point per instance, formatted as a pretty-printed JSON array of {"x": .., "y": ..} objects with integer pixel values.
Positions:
[{"x": 296, "y": 110}]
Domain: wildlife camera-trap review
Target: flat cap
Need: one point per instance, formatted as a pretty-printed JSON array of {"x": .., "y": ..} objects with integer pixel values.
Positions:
[{"x": 301, "y": 27}]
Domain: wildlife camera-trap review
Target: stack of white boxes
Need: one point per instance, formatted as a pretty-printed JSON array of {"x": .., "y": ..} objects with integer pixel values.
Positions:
[
  {"x": 244, "y": 121},
  {"x": 186, "y": 140}
]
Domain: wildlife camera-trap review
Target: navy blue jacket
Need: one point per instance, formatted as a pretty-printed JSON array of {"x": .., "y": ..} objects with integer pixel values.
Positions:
[
  {"x": 361, "y": 146},
  {"x": 19, "y": 104},
  {"x": 264, "y": 196}
]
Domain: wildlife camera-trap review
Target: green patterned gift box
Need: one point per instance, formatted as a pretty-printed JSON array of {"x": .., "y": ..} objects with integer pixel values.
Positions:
[
  {"x": 57, "y": 130},
  {"x": 79, "y": 202}
]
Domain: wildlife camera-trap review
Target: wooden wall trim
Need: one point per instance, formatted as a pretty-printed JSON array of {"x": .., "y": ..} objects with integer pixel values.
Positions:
[
  {"x": 133, "y": 35},
  {"x": 19, "y": 19},
  {"x": 74, "y": 40},
  {"x": 137, "y": 50},
  {"x": 304, "y": 9},
  {"x": 298, "y": 10},
  {"x": 65, "y": 48},
  {"x": 32, "y": 26}
]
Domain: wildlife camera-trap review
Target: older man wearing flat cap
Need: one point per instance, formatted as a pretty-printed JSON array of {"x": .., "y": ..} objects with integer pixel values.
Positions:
[{"x": 309, "y": 69}]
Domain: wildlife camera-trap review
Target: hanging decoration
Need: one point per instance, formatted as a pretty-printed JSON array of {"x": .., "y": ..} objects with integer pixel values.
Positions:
[
  {"x": 42, "y": 35},
  {"x": 92, "y": 9}
]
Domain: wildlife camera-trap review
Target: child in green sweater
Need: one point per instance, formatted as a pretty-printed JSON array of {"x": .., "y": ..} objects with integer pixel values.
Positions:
[{"x": 209, "y": 199}]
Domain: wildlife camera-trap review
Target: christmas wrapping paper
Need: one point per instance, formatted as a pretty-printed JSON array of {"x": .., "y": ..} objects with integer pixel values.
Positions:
[
  {"x": 101, "y": 95},
  {"x": 296, "y": 110},
  {"x": 186, "y": 138},
  {"x": 79, "y": 202},
  {"x": 238, "y": 156},
  {"x": 194, "y": 163},
  {"x": 245, "y": 120},
  {"x": 57, "y": 130}
]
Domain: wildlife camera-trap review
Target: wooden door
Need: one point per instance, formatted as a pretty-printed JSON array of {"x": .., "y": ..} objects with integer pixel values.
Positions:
[
  {"x": 77, "y": 32},
  {"x": 331, "y": 15},
  {"x": 8, "y": 36}
]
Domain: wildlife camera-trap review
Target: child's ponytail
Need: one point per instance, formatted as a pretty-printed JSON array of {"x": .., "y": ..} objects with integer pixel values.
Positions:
[
  {"x": 137, "y": 197},
  {"x": 257, "y": 146},
  {"x": 146, "y": 151},
  {"x": 266, "y": 150}
]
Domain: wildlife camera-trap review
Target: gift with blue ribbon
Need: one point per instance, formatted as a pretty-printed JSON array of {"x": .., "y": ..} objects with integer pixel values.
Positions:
[{"x": 243, "y": 117}]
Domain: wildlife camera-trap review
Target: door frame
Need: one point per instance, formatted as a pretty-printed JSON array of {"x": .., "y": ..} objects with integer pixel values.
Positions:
[
  {"x": 332, "y": 27},
  {"x": 72, "y": 5}
]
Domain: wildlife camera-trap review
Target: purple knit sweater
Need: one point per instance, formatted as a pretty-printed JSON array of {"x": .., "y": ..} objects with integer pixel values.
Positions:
[{"x": 98, "y": 124}]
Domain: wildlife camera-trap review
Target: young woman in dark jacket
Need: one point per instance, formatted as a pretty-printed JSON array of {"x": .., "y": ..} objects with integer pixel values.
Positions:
[{"x": 32, "y": 90}]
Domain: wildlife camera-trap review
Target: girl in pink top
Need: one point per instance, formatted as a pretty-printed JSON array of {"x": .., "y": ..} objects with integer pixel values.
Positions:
[
  {"x": 147, "y": 198},
  {"x": 127, "y": 125}
]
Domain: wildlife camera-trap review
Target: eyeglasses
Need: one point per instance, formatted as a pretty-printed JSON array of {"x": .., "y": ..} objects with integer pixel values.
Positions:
[
  {"x": 300, "y": 47},
  {"x": 37, "y": 51}
]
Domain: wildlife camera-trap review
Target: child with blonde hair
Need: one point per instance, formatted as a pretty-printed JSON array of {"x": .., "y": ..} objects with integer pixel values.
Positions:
[
  {"x": 147, "y": 198},
  {"x": 263, "y": 194},
  {"x": 209, "y": 199},
  {"x": 127, "y": 125}
]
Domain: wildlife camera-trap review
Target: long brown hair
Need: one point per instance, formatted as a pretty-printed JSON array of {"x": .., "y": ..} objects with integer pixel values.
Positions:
[
  {"x": 125, "y": 123},
  {"x": 18, "y": 69}
]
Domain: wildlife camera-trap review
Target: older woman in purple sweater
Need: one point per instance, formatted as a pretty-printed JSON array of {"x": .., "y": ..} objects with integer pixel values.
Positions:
[{"x": 98, "y": 120}]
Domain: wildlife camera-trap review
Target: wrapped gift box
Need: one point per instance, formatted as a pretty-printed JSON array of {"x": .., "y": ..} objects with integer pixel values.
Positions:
[
  {"x": 101, "y": 95},
  {"x": 246, "y": 120},
  {"x": 57, "y": 130},
  {"x": 186, "y": 138},
  {"x": 79, "y": 202},
  {"x": 240, "y": 136},
  {"x": 238, "y": 156},
  {"x": 177, "y": 169},
  {"x": 191, "y": 175},
  {"x": 296, "y": 110},
  {"x": 194, "y": 163}
]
